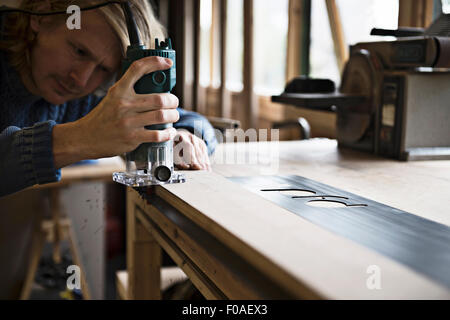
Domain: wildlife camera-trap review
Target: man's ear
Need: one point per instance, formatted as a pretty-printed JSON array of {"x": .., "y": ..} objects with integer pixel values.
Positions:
[{"x": 36, "y": 21}]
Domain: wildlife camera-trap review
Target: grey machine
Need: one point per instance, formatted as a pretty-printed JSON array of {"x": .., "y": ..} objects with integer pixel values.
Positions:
[{"x": 394, "y": 99}]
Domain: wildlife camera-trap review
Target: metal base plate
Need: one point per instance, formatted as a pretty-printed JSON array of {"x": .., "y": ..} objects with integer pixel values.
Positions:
[
  {"x": 418, "y": 243},
  {"x": 145, "y": 180}
]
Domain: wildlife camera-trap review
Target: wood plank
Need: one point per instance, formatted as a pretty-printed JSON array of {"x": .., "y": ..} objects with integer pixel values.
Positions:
[
  {"x": 302, "y": 256},
  {"x": 147, "y": 266},
  {"x": 143, "y": 256},
  {"x": 203, "y": 284},
  {"x": 131, "y": 197},
  {"x": 396, "y": 234},
  {"x": 237, "y": 280},
  {"x": 361, "y": 173}
]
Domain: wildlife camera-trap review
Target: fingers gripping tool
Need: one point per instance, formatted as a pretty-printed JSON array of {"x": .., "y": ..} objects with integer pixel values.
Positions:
[{"x": 151, "y": 163}]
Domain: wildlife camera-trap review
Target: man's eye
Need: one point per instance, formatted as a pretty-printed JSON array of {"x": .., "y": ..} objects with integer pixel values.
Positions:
[
  {"x": 103, "y": 69},
  {"x": 78, "y": 51}
]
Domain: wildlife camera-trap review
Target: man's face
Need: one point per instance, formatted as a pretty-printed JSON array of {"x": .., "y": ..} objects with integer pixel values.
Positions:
[{"x": 70, "y": 64}]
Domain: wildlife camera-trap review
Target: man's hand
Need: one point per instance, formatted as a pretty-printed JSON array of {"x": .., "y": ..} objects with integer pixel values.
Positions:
[
  {"x": 117, "y": 124},
  {"x": 190, "y": 152}
]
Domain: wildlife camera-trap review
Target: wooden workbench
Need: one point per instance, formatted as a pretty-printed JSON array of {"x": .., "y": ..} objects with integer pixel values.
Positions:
[
  {"x": 234, "y": 244},
  {"x": 39, "y": 213}
]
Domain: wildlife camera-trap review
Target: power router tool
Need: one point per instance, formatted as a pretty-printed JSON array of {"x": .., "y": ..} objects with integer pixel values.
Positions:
[{"x": 151, "y": 163}]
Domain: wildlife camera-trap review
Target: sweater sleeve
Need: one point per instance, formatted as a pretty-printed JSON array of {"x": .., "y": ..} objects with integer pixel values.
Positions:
[
  {"x": 26, "y": 157},
  {"x": 198, "y": 125}
]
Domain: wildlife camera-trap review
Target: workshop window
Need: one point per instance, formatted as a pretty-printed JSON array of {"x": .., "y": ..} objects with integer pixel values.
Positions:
[
  {"x": 358, "y": 18},
  {"x": 205, "y": 42},
  {"x": 235, "y": 44},
  {"x": 271, "y": 20},
  {"x": 322, "y": 57},
  {"x": 270, "y": 41},
  {"x": 446, "y": 6}
]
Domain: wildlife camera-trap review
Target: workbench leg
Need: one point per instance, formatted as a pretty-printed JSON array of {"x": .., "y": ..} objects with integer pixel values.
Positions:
[
  {"x": 36, "y": 253},
  {"x": 143, "y": 256},
  {"x": 76, "y": 257},
  {"x": 55, "y": 207}
]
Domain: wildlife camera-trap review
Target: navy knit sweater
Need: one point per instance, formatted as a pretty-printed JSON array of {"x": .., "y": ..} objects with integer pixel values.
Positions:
[{"x": 26, "y": 124}]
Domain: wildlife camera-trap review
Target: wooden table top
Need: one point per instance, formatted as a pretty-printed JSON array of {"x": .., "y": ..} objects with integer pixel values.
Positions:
[
  {"x": 100, "y": 170},
  {"x": 305, "y": 258},
  {"x": 421, "y": 188}
]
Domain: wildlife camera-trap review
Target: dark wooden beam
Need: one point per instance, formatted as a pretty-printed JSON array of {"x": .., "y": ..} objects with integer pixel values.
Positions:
[
  {"x": 225, "y": 98},
  {"x": 251, "y": 106},
  {"x": 182, "y": 31}
]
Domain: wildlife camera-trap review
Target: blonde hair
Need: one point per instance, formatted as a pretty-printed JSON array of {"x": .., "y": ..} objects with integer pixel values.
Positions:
[{"x": 18, "y": 37}]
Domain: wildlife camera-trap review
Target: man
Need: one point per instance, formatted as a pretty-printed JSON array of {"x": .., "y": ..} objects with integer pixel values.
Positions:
[{"x": 50, "y": 117}]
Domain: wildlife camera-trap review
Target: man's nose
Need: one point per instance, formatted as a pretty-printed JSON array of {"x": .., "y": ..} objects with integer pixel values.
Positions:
[{"x": 82, "y": 73}]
